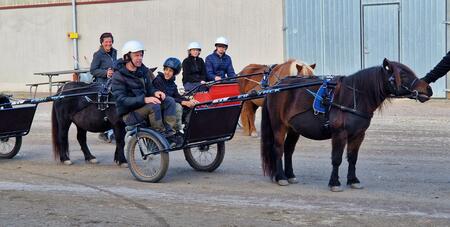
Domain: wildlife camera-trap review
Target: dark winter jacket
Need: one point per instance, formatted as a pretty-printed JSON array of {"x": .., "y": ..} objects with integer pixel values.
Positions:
[
  {"x": 194, "y": 70},
  {"x": 130, "y": 88},
  {"x": 168, "y": 87},
  {"x": 439, "y": 70},
  {"x": 101, "y": 62},
  {"x": 219, "y": 66}
]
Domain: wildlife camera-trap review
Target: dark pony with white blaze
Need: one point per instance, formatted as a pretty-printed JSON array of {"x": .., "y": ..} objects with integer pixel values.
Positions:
[{"x": 287, "y": 115}]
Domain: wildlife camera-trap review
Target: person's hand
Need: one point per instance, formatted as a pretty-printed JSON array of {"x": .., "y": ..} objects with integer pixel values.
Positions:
[
  {"x": 152, "y": 100},
  {"x": 190, "y": 103},
  {"x": 217, "y": 78},
  {"x": 160, "y": 95},
  {"x": 202, "y": 82},
  {"x": 109, "y": 73}
]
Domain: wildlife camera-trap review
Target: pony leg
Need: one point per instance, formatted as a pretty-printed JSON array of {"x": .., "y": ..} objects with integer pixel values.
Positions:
[
  {"x": 63, "y": 141},
  {"x": 278, "y": 147},
  {"x": 289, "y": 147},
  {"x": 81, "y": 137},
  {"x": 119, "y": 156},
  {"x": 338, "y": 141},
  {"x": 352, "y": 156},
  {"x": 251, "y": 118},
  {"x": 245, "y": 119}
]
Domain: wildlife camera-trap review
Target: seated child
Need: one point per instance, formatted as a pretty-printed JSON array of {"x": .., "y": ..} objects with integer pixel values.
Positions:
[{"x": 165, "y": 82}]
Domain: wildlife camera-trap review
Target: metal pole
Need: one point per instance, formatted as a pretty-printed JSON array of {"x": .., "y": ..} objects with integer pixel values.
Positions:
[{"x": 75, "y": 41}]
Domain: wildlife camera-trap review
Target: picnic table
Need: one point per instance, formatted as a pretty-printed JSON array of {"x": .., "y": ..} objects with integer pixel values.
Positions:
[{"x": 50, "y": 76}]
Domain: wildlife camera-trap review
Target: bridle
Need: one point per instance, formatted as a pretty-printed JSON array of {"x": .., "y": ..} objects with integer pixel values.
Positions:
[{"x": 395, "y": 92}]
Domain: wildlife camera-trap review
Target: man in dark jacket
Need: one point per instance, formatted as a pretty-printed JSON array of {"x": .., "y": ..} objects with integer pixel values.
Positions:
[
  {"x": 165, "y": 82},
  {"x": 136, "y": 98},
  {"x": 103, "y": 59},
  {"x": 439, "y": 70},
  {"x": 194, "y": 70},
  {"x": 219, "y": 64}
]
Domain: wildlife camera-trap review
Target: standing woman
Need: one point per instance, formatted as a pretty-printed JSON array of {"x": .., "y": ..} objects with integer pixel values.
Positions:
[
  {"x": 102, "y": 69},
  {"x": 102, "y": 62},
  {"x": 194, "y": 70}
]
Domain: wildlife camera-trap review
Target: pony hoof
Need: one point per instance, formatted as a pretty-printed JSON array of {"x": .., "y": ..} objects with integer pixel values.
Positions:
[
  {"x": 336, "y": 189},
  {"x": 356, "y": 186},
  {"x": 124, "y": 165},
  {"x": 67, "y": 162},
  {"x": 293, "y": 180},
  {"x": 283, "y": 182},
  {"x": 254, "y": 134},
  {"x": 92, "y": 161}
]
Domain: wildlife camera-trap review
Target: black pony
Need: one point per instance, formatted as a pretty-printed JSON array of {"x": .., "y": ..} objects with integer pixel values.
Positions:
[
  {"x": 84, "y": 112},
  {"x": 4, "y": 101},
  {"x": 287, "y": 115}
]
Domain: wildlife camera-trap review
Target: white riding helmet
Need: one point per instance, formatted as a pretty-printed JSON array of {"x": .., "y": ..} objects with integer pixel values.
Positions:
[
  {"x": 132, "y": 46},
  {"x": 194, "y": 45},
  {"x": 221, "y": 40}
]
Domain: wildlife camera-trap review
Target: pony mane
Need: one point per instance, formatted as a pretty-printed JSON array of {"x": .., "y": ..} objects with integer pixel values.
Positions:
[{"x": 370, "y": 84}]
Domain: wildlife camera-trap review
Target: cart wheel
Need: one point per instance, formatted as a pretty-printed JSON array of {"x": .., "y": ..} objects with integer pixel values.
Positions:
[
  {"x": 205, "y": 158},
  {"x": 9, "y": 147},
  {"x": 144, "y": 165}
]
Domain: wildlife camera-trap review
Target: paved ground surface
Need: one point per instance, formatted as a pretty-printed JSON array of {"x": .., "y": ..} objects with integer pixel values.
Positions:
[{"x": 404, "y": 164}]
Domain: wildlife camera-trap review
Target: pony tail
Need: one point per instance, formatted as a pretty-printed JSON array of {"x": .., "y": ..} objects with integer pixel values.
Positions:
[{"x": 268, "y": 156}]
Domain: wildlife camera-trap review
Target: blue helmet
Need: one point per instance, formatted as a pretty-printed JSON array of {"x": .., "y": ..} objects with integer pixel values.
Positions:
[{"x": 174, "y": 64}]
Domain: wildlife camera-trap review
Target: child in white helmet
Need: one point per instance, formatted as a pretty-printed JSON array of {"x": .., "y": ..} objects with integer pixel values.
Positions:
[
  {"x": 194, "y": 70},
  {"x": 219, "y": 64}
]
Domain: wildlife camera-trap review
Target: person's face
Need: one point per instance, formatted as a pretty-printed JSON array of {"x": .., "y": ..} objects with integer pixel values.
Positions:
[
  {"x": 136, "y": 58},
  {"x": 107, "y": 44},
  {"x": 221, "y": 49},
  {"x": 194, "y": 52},
  {"x": 168, "y": 73}
]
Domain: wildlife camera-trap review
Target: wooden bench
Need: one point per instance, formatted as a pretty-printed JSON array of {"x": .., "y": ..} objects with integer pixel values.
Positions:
[{"x": 58, "y": 84}]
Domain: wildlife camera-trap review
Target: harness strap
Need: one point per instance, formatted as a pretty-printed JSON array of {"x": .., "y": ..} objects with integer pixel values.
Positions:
[
  {"x": 254, "y": 81},
  {"x": 353, "y": 111},
  {"x": 326, "y": 102}
]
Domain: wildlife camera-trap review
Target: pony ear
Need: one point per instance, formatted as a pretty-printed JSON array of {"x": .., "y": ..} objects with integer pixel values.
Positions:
[
  {"x": 313, "y": 66},
  {"x": 387, "y": 65},
  {"x": 299, "y": 68}
]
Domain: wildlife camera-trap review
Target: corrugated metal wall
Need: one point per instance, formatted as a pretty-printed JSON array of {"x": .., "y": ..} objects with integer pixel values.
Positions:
[
  {"x": 331, "y": 41},
  {"x": 344, "y": 36},
  {"x": 424, "y": 37}
]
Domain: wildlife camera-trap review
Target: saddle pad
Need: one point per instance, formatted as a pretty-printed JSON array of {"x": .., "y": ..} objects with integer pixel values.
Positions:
[{"x": 322, "y": 93}]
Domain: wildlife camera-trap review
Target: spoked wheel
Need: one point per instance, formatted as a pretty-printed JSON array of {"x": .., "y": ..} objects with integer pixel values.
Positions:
[
  {"x": 9, "y": 147},
  {"x": 206, "y": 157},
  {"x": 145, "y": 160}
]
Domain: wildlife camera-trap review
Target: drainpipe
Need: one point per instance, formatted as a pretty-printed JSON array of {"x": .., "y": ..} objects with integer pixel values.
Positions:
[{"x": 75, "y": 41}]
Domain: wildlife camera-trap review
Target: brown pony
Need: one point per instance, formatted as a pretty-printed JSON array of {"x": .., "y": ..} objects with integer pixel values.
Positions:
[
  {"x": 287, "y": 115},
  {"x": 278, "y": 72}
]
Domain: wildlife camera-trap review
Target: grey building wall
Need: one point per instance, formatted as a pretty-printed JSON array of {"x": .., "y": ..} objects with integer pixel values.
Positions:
[
  {"x": 345, "y": 36},
  {"x": 37, "y": 40}
]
